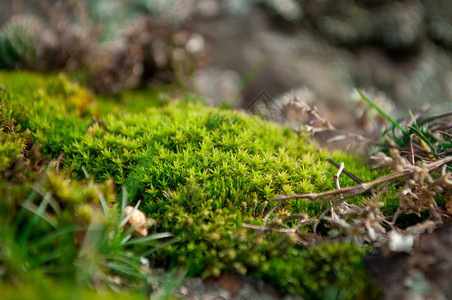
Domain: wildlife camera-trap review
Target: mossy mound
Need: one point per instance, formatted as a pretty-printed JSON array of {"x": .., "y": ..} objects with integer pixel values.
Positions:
[{"x": 200, "y": 172}]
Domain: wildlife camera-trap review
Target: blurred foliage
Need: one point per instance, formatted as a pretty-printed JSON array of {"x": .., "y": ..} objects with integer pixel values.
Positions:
[
  {"x": 71, "y": 230},
  {"x": 17, "y": 47},
  {"x": 38, "y": 287},
  {"x": 111, "y": 45}
]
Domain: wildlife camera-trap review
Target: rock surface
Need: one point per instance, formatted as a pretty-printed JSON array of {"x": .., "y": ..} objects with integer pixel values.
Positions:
[
  {"x": 424, "y": 273},
  {"x": 400, "y": 48}
]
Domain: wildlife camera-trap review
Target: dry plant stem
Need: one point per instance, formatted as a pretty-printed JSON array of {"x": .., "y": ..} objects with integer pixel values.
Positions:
[
  {"x": 411, "y": 149},
  {"x": 422, "y": 143},
  {"x": 338, "y": 186},
  {"x": 336, "y": 176},
  {"x": 314, "y": 113},
  {"x": 421, "y": 150},
  {"x": 345, "y": 134},
  {"x": 268, "y": 228},
  {"x": 333, "y": 202},
  {"x": 446, "y": 134},
  {"x": 441, "y": 127},
  {"x": 269, "y": 213},
  {"x": 327, "y": 126},
  {"x": 58, "y": 161},
  {"x": 440, "y": 116},
  {"x": 358, "y": 189},
  {"x": 350, "y": 175}
]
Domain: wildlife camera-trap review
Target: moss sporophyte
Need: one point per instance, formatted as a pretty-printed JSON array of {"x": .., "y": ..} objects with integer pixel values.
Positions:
[{"x": 200, "y": 172}]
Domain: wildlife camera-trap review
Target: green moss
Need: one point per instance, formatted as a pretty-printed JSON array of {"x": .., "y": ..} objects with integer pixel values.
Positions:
[
  {"x": 134, "y": 101},
  {"x": 12, "y": 139},
  {"x": 333, "y": 265},
  {"x": 200, "y": 173}
]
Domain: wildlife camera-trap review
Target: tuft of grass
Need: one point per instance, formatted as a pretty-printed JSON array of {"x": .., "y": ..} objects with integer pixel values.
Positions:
[
  {"x": 71, "y": 231},
  {"x": 419, "y": 138},
  {"x": 416, "y": 143}
]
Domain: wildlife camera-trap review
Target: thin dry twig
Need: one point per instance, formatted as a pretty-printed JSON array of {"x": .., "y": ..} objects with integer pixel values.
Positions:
[
  {"x": 324, "y": 125},
  {"x": 365, "y": 223},
  {"x": 446, "y": 134},
  {"x": 270, "y": 212},
  {"x": 411, "y": 149},
  {"x": 336, "y": 176},
  {"x": 436, "y": 117},
  {"x": 350, "y": 175},
  {"x": 359, "y": 189}
]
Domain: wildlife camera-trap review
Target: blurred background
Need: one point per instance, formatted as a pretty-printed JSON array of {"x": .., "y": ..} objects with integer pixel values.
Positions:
[{"x": 230, "y": 51}]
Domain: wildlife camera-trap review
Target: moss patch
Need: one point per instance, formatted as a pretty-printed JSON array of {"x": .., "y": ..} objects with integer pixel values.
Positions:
[
  {"x": 12, "y": 140},
  {"x": 200, "y": 172}
]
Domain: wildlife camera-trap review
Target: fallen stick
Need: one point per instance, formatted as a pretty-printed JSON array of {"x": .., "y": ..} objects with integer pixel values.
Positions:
[{"x": 365, "y": 186}]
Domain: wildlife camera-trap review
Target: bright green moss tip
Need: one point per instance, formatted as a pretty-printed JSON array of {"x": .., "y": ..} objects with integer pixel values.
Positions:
[{"x": 200, "y": 173}]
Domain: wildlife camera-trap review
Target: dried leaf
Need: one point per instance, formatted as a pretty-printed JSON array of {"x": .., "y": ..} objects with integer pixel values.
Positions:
[
  {"x": 138, "y": 221},
  {"x": 449, "y": 206}
]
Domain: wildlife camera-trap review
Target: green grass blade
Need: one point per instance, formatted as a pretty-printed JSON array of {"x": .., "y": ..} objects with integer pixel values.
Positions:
[
  {"x": 381, "y": 112},
  {"x": 126, "y": 238},
  {"x": 45, "y": 258},
  {"x": 85, "y": 172},
  {"x": 121, "y": 268},
  {"x": 22, "y": 210},
  {"x": 130, "y": 214},
  {"x": 423, "y": 138},
  {"x": 123, "y": 201},
  {"x": 158, "y": 246},
  {"x": 147, "y": 239},
  {"x": 49, "y": 238},
  {"x": 103, "y": 202},
  {"x": 413, "y": 118},
  {"x": 42, "y": 214},
  {"x": 28, "y": 229},
  {"x": 29, "y": 199},
  {"x": 248, "y": 77}
]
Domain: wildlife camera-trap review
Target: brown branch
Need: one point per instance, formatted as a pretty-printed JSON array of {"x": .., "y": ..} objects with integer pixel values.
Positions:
[
  {"x": 411, "y": 149},
  {"x": 338, "y": 174},
  {"x": 350, "y": 175},
  {"x": 269, "y": 228},
  {"x": 440, "y": 116},
  {"x": 446, "y": 134},
  {"x": 267, "y": 215},
  {"x": 359, "y": 189}
]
